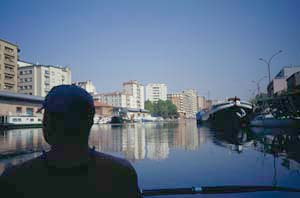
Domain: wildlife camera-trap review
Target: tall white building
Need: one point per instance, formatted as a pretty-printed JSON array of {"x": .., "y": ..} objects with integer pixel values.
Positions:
[
  {"x": 135, "y": 89},
  {"x": 190, "y": 103},
  {"x": 116, "y": 99},
  {"x": 156, "y": 91},
  {"x": 87, "y": 85},
  {"x": 35, "y": 79}
]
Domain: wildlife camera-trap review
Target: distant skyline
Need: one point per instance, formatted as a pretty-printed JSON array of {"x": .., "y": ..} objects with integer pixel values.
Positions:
[{"x": 209, "y": 45}]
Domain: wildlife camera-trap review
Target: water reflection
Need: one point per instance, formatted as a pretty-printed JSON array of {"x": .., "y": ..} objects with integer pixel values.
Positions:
[
  {"x": 165, "y": 148},
  {"x": 150, "y": 140}
]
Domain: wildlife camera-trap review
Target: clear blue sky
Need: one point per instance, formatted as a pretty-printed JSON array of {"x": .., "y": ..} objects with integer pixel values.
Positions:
[{"x": 206, "y": 45}]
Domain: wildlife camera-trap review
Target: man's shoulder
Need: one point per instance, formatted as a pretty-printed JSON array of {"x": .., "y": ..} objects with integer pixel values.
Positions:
[
  {"x": 112, "y": 161},
  {"x": 24, "y": 168}
]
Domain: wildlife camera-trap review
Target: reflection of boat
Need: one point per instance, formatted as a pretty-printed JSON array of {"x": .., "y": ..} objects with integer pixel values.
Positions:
[
  {"x": 23, "y": 121},
  {"x": 231, "y": 113},
  {"x": 268, "y": 120},
  {"x": 119, "y": 120},
  {"x": 101, "y": 120}
]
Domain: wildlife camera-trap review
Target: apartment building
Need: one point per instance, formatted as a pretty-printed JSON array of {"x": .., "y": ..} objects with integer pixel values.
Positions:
[
  {"x": 177, "y": 100},
  {"x": 156, "y": 92},
  {"x": 87, "y": 85},
  {"x": 190, "y": 103},
  {"x": 279, "y": 83},
  {"x": 8, "y": 66},
  {"x": 36, "y": 79},
  {"x": 135, "y": 89},
  {"x": 116, "y": 99},
  {"x": 201, "y": 102}
]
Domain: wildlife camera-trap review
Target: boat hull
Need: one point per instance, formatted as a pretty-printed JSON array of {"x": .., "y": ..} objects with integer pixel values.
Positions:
[{"x": 229, "y": 117}]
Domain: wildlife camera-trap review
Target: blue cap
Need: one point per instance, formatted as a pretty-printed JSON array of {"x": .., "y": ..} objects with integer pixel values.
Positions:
[{"x": 69, "y": 100}]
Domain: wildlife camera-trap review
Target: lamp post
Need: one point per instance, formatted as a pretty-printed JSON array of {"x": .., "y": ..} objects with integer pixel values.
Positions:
[{"x": 268, "y": 62}]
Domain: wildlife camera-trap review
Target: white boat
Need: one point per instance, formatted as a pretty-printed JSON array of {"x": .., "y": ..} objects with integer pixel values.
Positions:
[
  {"x": 268, "y": 120},
  {"x": 19, "y": 121},
  {"x": 228, "y": 113}
]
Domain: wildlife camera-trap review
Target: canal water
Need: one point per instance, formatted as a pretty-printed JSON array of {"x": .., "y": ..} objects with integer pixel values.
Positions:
[{"x": 182, "y": 154}]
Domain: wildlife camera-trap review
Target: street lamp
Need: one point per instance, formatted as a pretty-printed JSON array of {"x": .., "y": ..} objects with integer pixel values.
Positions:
[{"x": 269, "y": 63}]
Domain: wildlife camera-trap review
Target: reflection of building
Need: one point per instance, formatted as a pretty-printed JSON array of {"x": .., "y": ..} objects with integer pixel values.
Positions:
[
  {"x": 22, "y": 139},
  {"x": 8, "y": 66},
  {"x": 87, "y": 85},
  {"x": 135, "y": 89},
  {"x": 18, "y": 104},
  {"x": 156, "y": 91},
  {"x": 36, "y": 79},
  {"x": 186, "y": 136},
  {"x": 279, "y": 83},
  {"x": 133, "y": 142},
  {"x": 157, "y": 144}
]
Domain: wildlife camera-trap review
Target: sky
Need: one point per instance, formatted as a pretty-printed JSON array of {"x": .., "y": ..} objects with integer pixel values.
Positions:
[{"x": 211, "y": 46}]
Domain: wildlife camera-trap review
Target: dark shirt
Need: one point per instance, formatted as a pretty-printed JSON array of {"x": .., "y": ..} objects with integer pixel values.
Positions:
[{"x": 102, "y": 176}]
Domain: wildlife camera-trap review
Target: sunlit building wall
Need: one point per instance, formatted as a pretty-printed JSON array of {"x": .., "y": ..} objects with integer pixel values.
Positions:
[
  {"x": 8, "y": 66},
  {"x": 38, "y": 80},
  {"x": 135, "y": 89},
  {"x": 156, "y": 92}
]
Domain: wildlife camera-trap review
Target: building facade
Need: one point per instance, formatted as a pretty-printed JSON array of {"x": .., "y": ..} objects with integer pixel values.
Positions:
[
  {"x": 38, "y": 80},
  {"x": 135, "y": 89},
  {"x": 116, "y": 99},
  {"x": 200, "y": 102},
  {"x": 87, "y": 85},
  {"x": 293, "y": 82},
  {"x": 19, "y": 104},
  {"x": 8, "y": 66},
  {"x": 190, "y": 103},
  {"x": 156, "y": 92},
  {"x": 177, "y": 100},
  {"x": 279, "y": 83}
]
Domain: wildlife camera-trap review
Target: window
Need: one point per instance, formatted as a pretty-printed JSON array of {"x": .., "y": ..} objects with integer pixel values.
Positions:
[
  {"x": 21, "y": 72},
  {"x": 29, "y": 111},
  {"x": 31, "y": 119},
  {"x": 19, "y": 109}
]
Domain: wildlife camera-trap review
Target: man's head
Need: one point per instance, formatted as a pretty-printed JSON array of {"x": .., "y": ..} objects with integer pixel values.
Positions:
[{"x": 68, "y": 115}]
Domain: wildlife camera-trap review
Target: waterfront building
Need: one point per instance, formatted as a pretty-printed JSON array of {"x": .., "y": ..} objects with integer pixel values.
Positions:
[
  {"x": 103, "y": 109},
  {"x": 87, "y": 85},
  {"x": 37, "y": 79},
  {"x": 116, "y": 99},
  {"x": 190, "y": 102},
  {"x": 135, "y": 89},
  {"x": 19, "y": 104},
  {"x": 177, "y": 100},
  {"x": 200, "y": 102},
  {"x": 279, "y": 83},
  {"x": 8, "y": 66},
  {"x": 156, "y": 91},
  {"x": 293, "y": 82}
]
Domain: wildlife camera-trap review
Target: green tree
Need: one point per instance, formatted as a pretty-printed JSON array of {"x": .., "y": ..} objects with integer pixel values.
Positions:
[{"x": 165, "y": 109}]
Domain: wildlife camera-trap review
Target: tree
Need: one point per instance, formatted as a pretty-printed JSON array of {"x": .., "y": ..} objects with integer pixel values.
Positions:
[{"x": 165, "y": 109}]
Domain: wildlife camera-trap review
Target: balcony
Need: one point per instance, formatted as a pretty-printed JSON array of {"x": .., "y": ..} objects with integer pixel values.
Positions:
[{"x": 9, "y": 71}]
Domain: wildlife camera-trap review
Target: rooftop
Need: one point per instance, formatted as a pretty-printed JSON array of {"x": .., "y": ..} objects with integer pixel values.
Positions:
[
  {"x": 8, "y": 42},
  {"x": 18, "y": 96}
]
